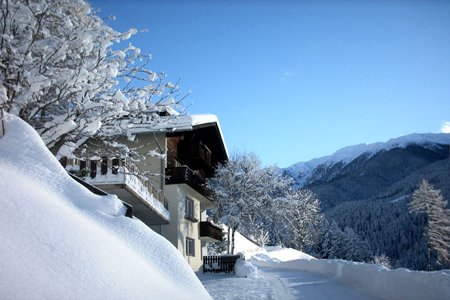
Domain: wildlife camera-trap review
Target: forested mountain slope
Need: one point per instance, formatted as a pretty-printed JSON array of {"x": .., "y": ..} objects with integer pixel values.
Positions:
[
  {"x": 365, "y": 178},
  {"x": 368, "y": 191},
  {"x": 365, "y": 172}
]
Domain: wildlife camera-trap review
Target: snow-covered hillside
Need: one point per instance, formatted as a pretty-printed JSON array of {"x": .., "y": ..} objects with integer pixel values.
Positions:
[
  {"x": 59, "y": 241},
  {"x": 301, "y": 171}
]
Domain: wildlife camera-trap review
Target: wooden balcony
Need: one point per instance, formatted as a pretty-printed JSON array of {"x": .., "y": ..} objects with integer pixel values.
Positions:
[
  {"x": 210, "y": 232},
  {"x": 183, "y": 174}
]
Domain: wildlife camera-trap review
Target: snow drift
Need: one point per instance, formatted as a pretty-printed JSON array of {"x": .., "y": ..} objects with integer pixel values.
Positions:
[
  {"x": 276, "y": 254},
  {"x": 59, "y": 241},
  {"x": 369, "y": 279}
]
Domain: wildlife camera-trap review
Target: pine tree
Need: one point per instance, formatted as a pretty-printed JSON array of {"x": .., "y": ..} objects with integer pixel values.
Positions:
[
  {"x": 332, "y": 242},
  {"x": 429, "y": 201},
  {"x": 354, "y": 248}
]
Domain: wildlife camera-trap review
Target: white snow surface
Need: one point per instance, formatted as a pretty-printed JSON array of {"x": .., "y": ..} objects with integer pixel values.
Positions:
[
  {"x": 244, "y": 245},
  {"x": 276, "y": 254},
  {"x": 368, "y": 280},
  {"x": 274, "y": 282},
  {"x": 279, "y": 284},
  {"x": 60, "y": 241},
  {"x": 348, "y": 154},
  {"x": 290, "y": 274}
]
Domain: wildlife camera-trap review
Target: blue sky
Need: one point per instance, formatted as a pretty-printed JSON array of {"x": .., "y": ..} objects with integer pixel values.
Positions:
[{"x": 295, "y": 80}]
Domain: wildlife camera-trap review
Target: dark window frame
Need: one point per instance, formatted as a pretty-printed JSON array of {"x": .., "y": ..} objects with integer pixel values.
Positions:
[
  {"x": 115, "y": 165},
  {"x": 189, "y": 209},
  {"x": 190, "y": 246},
  {"x": 93, "y": 167},
  {"x": 104, "y": 165},
  {"x": 82, "y": 165}
]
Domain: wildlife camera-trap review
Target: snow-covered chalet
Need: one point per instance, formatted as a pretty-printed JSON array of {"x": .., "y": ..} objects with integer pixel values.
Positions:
[{"x": 167, "y": 188}]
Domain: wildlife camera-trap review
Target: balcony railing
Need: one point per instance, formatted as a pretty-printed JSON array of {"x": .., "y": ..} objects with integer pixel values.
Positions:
[
  {"x": 211, "y": 231},
  {"x": 144, "y": 186},
  {"x": 219, "y": 264},
  {"x": 101, "y": 174},
  {"x": 177, "y": 175}
]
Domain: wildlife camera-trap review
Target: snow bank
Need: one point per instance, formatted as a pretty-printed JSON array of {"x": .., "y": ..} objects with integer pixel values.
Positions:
[
  {"x": 276, "y": 254},
  {"x": 59, "y": 241},
  {"x": 244, "y": 268},
  {"x": 373, "y": 280}
]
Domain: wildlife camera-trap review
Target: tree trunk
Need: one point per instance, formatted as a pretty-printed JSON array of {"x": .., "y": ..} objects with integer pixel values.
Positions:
[
  {"x": 229, "y": 240},
  {"x": 232, "y": 240},
  {"x": 429, "y": 268}
]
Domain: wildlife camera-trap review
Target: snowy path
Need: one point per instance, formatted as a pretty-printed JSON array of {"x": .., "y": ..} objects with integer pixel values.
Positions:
[{"x": 280, "y": 284}]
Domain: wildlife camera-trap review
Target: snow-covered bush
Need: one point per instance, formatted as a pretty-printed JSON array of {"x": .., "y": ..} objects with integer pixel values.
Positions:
[
  {"x": 382, "y": 260},
  {"x": 244, "y": 268}
]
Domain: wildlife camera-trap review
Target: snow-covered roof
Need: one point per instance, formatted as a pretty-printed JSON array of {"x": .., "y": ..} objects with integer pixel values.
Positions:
[
  {"x": 181, "y": 124},
  {"x": 189, "y": 122}
]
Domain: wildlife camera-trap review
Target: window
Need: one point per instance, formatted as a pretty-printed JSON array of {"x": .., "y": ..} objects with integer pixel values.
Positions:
[
  {"x": 104, "y": 165},
  {"x": 72, "y": 162},
  {"x": 63, "y": 161},
  {"x": 189, "y": 209},
  {"x": 82, "y": 165},
  {"x": 190, "y": 247},
  {"x": 115, "y": 165},
  {"x": 93, "y": 168}
]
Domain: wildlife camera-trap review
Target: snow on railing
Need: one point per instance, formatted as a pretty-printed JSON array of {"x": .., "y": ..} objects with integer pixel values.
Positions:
[
  {"x": 142, "y": 187},
  {"x": 108, "y": 178}
]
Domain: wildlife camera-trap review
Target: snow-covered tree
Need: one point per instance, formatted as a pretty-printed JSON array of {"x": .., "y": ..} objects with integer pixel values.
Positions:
[
  {"x": 429, "y": 202},
  {"x": 261, "y": 204},
  {"x": 299, "y": 218},
  {"x": 342, "y": 244},
  {"x": 354, "y": 248},
  {"x": 239, "y": 190},
  {"x": 332, "y": 242},
  {"x": 61, "y": 69}
]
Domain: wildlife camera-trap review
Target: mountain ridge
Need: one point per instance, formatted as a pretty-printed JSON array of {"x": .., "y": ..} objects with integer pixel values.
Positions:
[{"x": 303, "y": 172}]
